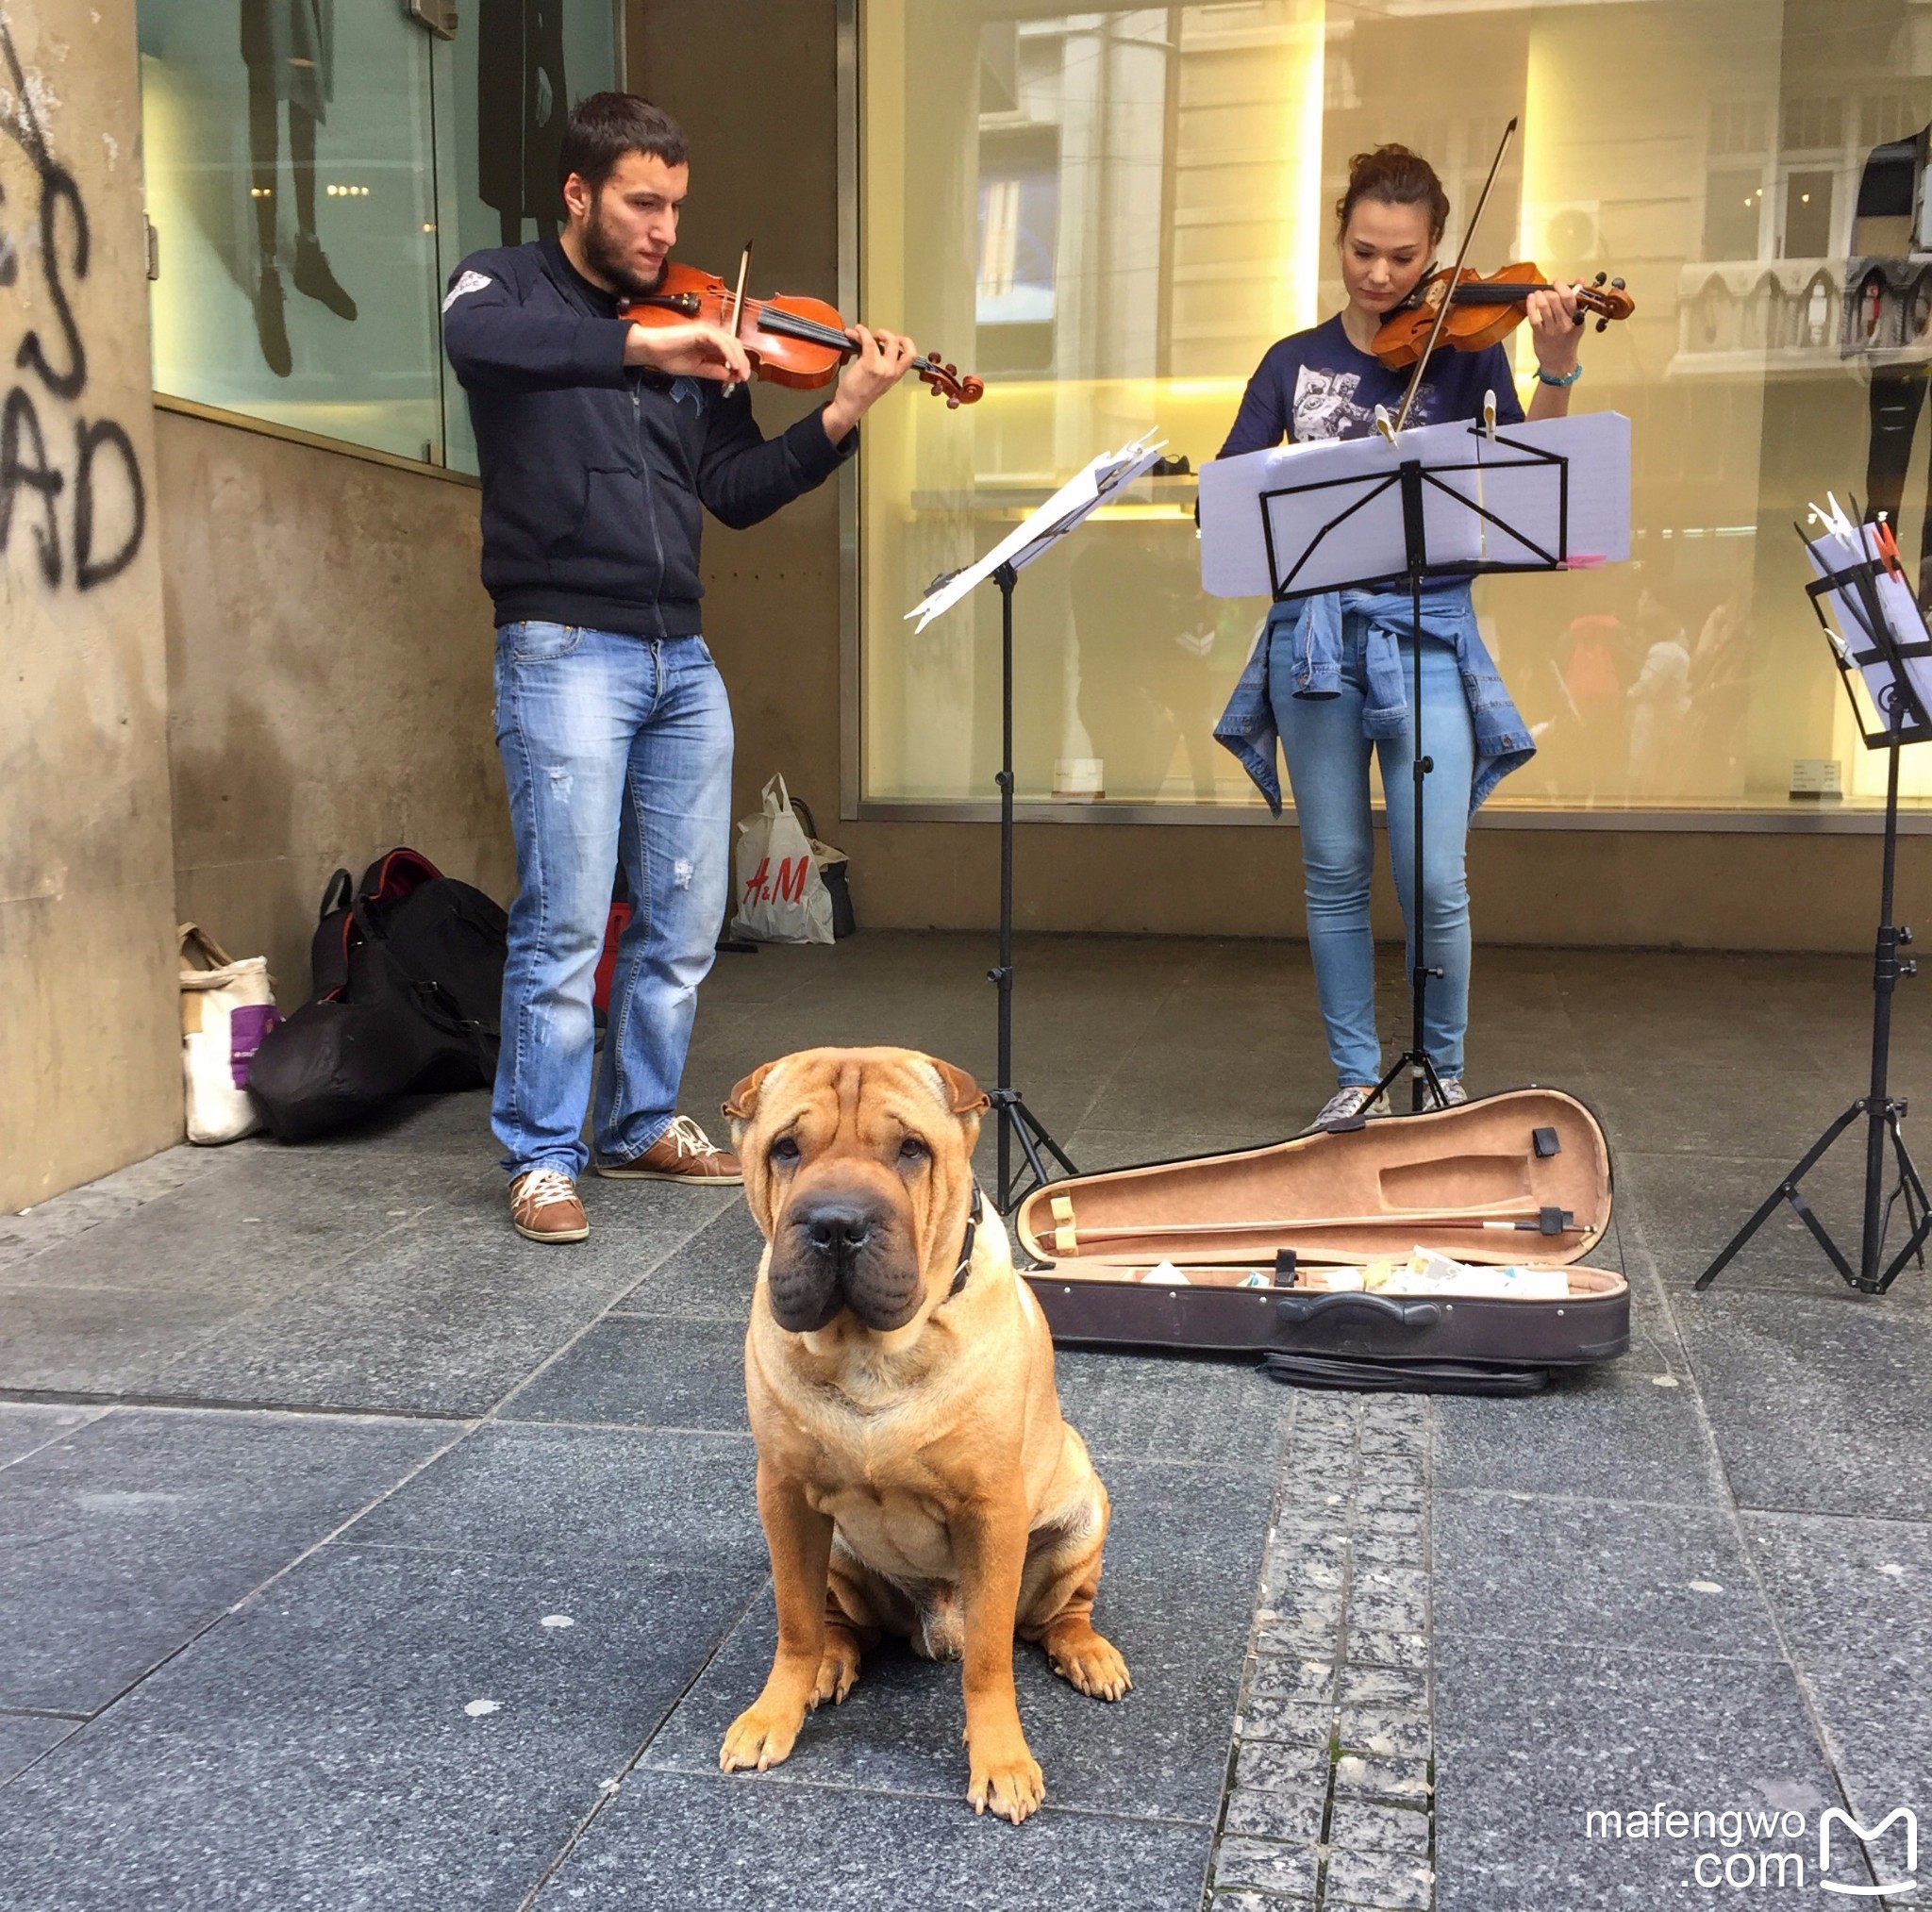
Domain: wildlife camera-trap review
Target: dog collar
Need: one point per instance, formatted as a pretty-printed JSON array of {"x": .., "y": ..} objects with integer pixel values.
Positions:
[{"x": 965, "y": 1265}]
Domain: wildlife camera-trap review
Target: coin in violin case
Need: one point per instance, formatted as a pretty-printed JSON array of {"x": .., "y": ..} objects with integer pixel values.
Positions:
[{"x": 1444, "y": 1251}]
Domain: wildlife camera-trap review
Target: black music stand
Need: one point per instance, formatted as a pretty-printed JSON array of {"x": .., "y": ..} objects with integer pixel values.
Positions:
[
  {"x": 1425, "y": 488},
  {"x": 1871, "y": 645},
  {"x": 1054, "y": 521}
]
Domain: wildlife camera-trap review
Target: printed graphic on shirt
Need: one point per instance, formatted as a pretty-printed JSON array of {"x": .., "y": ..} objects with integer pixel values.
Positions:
[
  {"x": 470, "y": 282},
  {"x": 1325, "y": 405}
]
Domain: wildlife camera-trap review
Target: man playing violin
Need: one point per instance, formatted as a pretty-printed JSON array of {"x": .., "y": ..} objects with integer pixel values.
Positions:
[
  {"x": 602, "y": 442},
  {"x": 1331, "y": 677}
]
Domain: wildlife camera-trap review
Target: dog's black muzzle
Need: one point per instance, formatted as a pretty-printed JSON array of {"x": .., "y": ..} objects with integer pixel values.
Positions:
[{"x": 839, "y": 1251}]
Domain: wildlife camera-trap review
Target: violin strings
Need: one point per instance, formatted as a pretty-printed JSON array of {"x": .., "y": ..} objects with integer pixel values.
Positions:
[{"x": 789, "y": 326}]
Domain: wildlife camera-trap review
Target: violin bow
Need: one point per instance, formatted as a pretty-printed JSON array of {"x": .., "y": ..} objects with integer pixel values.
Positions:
[
  {"x": 738, "y": 301},
  {"x": 1422, "y": 364}
]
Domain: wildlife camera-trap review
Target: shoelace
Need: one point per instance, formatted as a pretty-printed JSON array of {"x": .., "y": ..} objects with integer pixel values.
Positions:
[
  {"x": 692, "y": 1140},
  {"x": 541, "y": 1186}
]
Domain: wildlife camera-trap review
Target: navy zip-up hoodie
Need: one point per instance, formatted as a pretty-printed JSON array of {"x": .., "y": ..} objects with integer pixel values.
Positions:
[{"x": 594, "y": 472}]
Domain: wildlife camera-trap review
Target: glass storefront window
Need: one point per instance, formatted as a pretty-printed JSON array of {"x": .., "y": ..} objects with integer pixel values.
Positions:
[
  {"x": 313, "y": 174},
  {"x": 1110, "y": 213}
]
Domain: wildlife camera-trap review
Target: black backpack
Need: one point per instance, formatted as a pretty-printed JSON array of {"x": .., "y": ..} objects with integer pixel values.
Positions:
[{"x": 408, "y": 990}]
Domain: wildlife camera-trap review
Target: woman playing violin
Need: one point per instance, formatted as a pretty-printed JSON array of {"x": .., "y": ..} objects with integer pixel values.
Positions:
[{"x": 1331, "y": 677}]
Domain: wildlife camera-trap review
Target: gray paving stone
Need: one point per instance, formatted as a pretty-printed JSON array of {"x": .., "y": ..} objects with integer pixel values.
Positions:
[
  {"x": 648, "y": 1371},
  {"x": 1275, "y": 1816},
  {"x": 25, "y": 1737},
  {"x": 1655, "y": 1579},
  {"x": 1160, "y": 1751},
  {"x": 1531, "y": 1738},
  {"x": 1389, "y": 1599},
  {"x": 1261, "y": 1767},
  {"x": 1373, "y": 1776},
  {"x": 1280, "y": 1678},
  {"x": 1366, "y": 1649},
  {"x": 1197, "y": 1531},
  {"x": 101, "y": 1340},
  {"x": 23, "y": 1428},
  {"x": 1257, "y": 1902},
  {"x": 1608, "y": 1434},
  {"x": 317, "y": 1748},
  {"x": 435, "y": 1319},
  {"x": 673, "y": 1843},
  {"x": 1818, "y": 1406},
  {"x": 1265, "y": 1866},
  {"x": 1292, "y": 1723},
  {"x": 1200, "y": 1411},
  {"x": 1384, "y": 1686},
  {"x": 1382, "y": 1732},
  {"x": 710, "y": 1276},
  {"x": 658, "y": 1497},
  {"x": 1819, "y": 1572},
  {"x": 121, "y": 1540}
]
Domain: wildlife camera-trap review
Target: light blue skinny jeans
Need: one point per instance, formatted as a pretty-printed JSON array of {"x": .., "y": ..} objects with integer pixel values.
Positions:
[
  {"x": 1328, "y": 770},
  {"x": 612, "y": 746}
]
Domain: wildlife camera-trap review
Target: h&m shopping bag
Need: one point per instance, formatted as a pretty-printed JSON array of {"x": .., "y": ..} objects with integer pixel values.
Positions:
[
  {"x": 781, "y": 894},
  {"x": 227, "y": 1008}
]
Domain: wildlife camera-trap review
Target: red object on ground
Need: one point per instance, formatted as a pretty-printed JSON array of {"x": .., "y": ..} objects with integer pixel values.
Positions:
[{"x": 607, "y": 963}]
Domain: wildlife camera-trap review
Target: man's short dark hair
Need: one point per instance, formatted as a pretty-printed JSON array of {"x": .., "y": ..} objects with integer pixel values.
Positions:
[{"x": 606, "y": 127}]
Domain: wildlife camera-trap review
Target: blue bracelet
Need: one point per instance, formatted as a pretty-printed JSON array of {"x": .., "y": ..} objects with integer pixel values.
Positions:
[{"x": 1569, "y": 378}]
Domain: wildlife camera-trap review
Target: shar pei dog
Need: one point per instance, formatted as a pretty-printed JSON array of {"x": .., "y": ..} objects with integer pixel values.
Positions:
[{"x": 914, "y": 1475}]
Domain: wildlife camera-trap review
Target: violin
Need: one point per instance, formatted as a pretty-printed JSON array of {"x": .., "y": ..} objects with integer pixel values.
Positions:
[
  {"x": 1483, "y": 311},
  {"x": 790, "y": 340}
]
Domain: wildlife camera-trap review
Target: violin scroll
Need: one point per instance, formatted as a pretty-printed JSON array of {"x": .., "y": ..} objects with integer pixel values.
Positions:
[{"x": 945, "y": 381}]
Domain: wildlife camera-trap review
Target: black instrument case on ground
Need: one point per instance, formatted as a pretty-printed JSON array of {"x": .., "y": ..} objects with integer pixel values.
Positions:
[{"x": 1521, "y": 1179}]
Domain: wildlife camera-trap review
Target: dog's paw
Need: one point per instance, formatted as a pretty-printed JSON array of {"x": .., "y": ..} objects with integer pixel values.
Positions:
[
  {"x": 1009, "y": 1784},
  {"x": 838, "y": 1670},
  {"x": 759, "y": 1738},
  {"x": 1089, "y": 1662}
]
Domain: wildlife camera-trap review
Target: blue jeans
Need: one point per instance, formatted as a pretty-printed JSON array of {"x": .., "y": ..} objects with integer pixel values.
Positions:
[
  {"x": 1328, "y": 769},
  {"x": 612, "y": 746}
]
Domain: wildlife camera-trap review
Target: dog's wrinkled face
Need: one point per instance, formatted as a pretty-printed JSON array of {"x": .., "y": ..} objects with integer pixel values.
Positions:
[{"x": 858, "y": 1168}]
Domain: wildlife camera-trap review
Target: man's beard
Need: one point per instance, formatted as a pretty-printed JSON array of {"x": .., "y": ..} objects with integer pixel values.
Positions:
[{"x": 604, "y": 255}]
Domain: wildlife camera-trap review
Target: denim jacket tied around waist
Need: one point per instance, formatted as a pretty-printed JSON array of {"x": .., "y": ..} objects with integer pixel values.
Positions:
[{"x": 1312, "y": 627}]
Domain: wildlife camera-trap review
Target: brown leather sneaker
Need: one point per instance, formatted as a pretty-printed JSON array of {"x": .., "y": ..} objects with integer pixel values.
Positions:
[
  {"x": 682, "y": 1153},
  {"x": 543, "y": 1206}
]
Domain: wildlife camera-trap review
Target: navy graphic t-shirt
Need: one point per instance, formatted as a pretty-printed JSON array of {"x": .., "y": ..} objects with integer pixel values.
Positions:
[{"x": 1317, "y": 385}]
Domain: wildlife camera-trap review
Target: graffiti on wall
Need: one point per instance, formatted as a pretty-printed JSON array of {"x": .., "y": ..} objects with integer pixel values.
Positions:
[{"x": 72, "y": 497}]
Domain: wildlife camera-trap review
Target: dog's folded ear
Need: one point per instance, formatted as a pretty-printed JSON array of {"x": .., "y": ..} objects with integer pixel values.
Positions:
[
  {"x": 742, "y": 1100},
  {"x": 966, "y": 1096}
]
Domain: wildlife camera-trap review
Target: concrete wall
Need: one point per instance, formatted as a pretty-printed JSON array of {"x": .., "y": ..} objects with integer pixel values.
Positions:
[
  {"x": 752, "y": 80},
  {"x": 90, "y": 1039},
  {"x": 328, "y": 680}
]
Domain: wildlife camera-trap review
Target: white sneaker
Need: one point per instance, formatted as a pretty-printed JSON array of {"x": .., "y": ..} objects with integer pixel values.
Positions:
[
  {"x": 1345, "y": 1105},
  {"x": 1454, "y": 1095}
]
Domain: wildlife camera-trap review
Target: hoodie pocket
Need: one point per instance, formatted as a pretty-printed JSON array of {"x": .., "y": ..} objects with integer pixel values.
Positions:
[{"x": 608, "y": 537}]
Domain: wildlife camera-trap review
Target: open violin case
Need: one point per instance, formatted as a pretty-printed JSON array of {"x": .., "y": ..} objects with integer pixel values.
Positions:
[{"x": 1260, "y": 1251}]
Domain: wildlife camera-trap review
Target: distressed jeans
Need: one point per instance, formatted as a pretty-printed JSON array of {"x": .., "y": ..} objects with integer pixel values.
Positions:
[
  {"x": 613, "y": 746},
  {"x": 1328, "y": 767}
]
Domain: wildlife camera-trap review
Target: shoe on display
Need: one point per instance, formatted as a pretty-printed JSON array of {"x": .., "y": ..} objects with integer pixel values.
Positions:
[
  {"x": 684, "y": 1153},
  {"x": 314, "y": 280},
  {"x": 543, "y": 1206}
]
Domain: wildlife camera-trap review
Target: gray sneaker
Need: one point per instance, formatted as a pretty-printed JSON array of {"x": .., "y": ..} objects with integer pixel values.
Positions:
[
  {"x": 1453, "y": 1094},
  {"x": 1345, "y": 1106}
]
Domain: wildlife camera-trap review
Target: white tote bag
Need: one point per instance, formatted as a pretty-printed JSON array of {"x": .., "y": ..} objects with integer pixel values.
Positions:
[
  {"x": 227, "y": 1008},
  {"x": 781, "y": 895}
]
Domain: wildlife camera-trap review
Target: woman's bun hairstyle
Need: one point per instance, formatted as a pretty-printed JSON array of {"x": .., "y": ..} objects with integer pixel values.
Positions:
[{"x": 1392, "y": 175}]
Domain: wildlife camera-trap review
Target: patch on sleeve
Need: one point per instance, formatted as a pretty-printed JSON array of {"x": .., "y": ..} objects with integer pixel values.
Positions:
[{"x": 470, "y": 282}]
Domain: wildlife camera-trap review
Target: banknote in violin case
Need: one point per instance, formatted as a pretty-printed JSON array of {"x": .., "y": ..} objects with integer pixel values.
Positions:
[{"x": 1443, "y": 1252}]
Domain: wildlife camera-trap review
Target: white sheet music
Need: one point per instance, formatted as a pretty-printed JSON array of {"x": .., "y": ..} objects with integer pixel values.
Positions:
[
  {"x": 1089, "y": 486},
  {"x": 1333, "y": 508},
  {"x": 1842, "y": 543}
]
